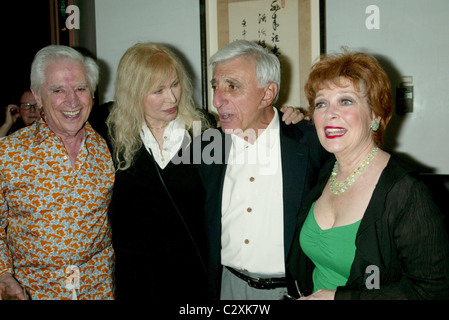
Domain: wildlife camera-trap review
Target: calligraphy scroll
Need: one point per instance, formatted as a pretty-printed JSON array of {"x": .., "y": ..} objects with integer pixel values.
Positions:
[{"x": 283, "y": 26}]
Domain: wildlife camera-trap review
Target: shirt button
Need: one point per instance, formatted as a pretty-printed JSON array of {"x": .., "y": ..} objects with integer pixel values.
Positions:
[
  {"x": 246, "y": 241},
  {"x": 249, "y": 209},
  {"x": 251, "y": 179}
]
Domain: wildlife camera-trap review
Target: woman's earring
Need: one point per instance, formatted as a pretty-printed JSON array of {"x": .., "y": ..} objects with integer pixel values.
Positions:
[{"x": 375, "y": 125}]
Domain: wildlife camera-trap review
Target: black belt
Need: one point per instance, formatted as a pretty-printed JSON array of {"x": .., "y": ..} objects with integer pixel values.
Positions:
[{"x": 260, "y": 283}]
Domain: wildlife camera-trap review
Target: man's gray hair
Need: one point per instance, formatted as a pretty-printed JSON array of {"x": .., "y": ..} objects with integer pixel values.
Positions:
[
  {"x": 58, "y": 52},
  {"x": 268, "y": 67}
]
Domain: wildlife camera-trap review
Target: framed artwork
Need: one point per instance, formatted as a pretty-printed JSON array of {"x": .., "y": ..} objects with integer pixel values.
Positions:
[{"x": 291, "y": 29}]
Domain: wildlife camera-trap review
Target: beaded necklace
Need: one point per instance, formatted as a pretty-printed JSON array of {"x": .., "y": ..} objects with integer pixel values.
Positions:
[{"x": 338, "y": 188}]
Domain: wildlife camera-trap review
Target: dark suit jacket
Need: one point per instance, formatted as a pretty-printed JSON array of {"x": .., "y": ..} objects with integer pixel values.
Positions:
[
  {"x": 401, "y": 233},
  {"x": 301, "y": 156}
]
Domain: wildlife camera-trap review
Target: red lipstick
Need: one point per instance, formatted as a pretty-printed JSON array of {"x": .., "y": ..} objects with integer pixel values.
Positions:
[{"x": 334, "y": 132}]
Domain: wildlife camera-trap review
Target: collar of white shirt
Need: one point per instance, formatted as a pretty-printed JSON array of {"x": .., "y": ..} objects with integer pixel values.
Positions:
[
  {"x": 266, "y": 138},
  {"x": 174, "y": 134}
]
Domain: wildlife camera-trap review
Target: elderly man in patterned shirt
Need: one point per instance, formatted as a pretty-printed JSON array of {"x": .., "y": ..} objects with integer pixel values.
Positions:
[{"x": 56, "y": 179}]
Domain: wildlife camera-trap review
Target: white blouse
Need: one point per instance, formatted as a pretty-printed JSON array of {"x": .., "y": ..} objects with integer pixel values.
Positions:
[{"x": 174, "y": 134}]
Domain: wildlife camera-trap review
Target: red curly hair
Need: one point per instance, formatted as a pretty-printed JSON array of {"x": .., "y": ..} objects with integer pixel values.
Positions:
[{"x": 364, "y": 71}]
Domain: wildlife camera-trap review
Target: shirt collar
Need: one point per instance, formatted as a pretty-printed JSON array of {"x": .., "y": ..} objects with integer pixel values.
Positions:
[
  {"x": 174, "y": 133},
  {"x": 267, "y": 137},
  {"x": 42, "y": 130}
]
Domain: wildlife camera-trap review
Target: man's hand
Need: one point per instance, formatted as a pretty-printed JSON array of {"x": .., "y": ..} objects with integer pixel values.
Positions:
[
  {"x": 10, "y": 289},
  {"x": 11, "y": 116},
  {"x": 293, "y": 115}
]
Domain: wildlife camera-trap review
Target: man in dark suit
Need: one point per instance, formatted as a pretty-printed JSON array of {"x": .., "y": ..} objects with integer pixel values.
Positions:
[{"x": 257, "y": 180}]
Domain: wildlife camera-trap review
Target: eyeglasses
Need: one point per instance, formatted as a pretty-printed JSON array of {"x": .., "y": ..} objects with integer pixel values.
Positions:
[{"x": 28, "y": 106}]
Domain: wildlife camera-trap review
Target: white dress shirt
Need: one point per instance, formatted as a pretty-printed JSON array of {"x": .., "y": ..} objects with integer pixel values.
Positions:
[
  {"x": 252, "y": 206},
  {"x": 174, "y": 134}
]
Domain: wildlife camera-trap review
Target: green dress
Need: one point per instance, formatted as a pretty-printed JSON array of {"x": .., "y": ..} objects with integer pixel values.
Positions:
[{"x": 331, "y": 250}]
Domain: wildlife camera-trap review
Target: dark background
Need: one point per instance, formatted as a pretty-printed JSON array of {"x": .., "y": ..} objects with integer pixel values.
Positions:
[{"x": 25, "y": 28}]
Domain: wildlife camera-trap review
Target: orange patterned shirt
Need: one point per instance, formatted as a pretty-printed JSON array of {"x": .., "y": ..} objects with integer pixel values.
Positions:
[{"x": 54, "y": 229}]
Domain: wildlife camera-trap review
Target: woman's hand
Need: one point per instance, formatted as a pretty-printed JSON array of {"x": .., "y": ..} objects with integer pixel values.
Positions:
[{"x": 321, "y": 294}]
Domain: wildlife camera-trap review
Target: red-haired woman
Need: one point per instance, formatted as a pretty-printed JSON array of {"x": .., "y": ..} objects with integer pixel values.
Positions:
[{"x": 370, "y": 229}]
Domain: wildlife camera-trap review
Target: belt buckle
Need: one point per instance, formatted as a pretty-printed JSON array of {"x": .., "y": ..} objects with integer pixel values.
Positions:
[
  {"x": 260, "y": 283},
  {"x": 256, "y": 283},
  {"x": 253, "y": 284}
]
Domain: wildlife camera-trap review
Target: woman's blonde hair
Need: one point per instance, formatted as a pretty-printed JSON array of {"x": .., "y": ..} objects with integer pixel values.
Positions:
[{"x": 143, "y": 67}]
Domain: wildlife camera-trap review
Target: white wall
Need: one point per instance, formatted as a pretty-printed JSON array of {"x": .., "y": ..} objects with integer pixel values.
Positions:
[
  {"x": 120, "y": 24},
  {"x": 412, "y": 40}
]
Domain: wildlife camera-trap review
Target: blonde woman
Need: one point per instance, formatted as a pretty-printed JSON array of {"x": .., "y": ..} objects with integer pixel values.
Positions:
[{"x": 157, "y": 205}]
